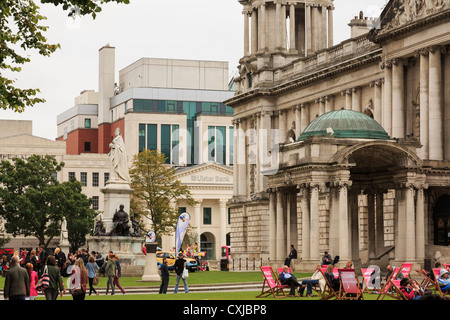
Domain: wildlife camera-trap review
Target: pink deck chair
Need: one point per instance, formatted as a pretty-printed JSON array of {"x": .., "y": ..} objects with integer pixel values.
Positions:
[
  {"x": 437, "y": 289},
  {"x": 406, "y": 269},
  {"x": 273, "y": 284},
  {"x": 367, "y": 274},
  {"x": 385, "y": 290},
  {"x": 350, "y": 288}
]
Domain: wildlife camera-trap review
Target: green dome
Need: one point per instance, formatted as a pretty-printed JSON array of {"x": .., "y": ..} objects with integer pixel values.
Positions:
[{"x": 345, "y": 124}]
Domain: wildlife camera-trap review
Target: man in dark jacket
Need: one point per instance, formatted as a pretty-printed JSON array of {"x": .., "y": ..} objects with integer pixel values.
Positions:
[
  {"x": 180, "y": 264},
  {"x": 164, "y": 277},
  {"x": 288, "y": 279},
  {"x": 17, "y": 282}
]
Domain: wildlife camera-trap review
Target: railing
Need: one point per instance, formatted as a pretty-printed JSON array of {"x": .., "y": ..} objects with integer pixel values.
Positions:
[{"x": 247, "y": 264}]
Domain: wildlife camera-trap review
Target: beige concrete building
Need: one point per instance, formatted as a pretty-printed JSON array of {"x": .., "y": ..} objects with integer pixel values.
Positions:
[
  {"x": 175, "y": 106},
  {"x": 342, "y": 147}
]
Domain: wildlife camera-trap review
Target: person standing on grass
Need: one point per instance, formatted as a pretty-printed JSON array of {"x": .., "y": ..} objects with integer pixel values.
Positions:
[
  {"x": 91, "y": 267},
  {"x": 164, "y": 277},
  {"x": 180, "y": 265},
  {"x": 55, "y": 284},
  {"x": 118, "y": 274},
  {"x": 110, "y": 271},
  {"x": 17, "y": 282},
  {"x": 33, "y": 281}
]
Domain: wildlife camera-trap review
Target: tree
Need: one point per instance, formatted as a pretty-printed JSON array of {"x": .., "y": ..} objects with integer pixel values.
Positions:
[
  {"x": 33, "y": 202},
  {"x": 21, "y": 30},
  {"x": 155, "y": 188}
]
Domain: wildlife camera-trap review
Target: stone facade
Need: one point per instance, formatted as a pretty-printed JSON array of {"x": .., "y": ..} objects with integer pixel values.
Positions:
[{"x": 361, "y": 199}]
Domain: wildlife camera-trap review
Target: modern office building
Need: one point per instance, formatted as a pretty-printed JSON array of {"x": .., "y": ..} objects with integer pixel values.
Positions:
[
  {"x": 342, "y": 147},
  {"x": 175, "y": 106}
]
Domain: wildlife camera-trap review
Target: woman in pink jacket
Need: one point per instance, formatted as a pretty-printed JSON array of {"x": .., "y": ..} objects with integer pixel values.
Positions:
[{"x": 33, "y": 280}]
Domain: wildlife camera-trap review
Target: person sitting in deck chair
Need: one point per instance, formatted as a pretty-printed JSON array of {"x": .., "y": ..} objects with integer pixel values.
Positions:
[{"x": 287, "y": 278}]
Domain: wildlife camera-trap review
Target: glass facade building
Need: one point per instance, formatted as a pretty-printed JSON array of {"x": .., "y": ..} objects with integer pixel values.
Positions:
[{"x": 219, "y": 144}]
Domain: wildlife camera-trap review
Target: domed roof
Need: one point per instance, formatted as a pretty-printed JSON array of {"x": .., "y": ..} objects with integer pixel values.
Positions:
[{"x": 345, "y": 124}]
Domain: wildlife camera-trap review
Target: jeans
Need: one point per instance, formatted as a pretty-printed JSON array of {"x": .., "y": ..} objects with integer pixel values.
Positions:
[
  {"x": 117, "y": 283},
  {"x": 110, "y": 282},
  {"x": 51, "y": 294},
  {"x": 309, "y": 284},
  {"x": 186, "y": 289}
]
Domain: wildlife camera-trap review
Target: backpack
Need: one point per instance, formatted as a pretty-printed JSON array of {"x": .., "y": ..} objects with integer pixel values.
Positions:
[{"x": 44, "y": 281}]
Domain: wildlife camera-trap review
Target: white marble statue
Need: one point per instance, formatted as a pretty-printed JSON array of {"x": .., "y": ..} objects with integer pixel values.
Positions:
[{"x": 118, "y": 158}]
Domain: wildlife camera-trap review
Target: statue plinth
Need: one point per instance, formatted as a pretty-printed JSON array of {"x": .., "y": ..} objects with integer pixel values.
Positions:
[
  {"x": 151, "y": 265},
  {"x": 116, "y": 193}
]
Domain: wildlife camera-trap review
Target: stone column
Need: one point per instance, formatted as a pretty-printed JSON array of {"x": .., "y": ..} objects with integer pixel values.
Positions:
[
  {"x": 304, "y": 116},
  {"x": 423, "y": 100},
  {"x": 282, "y": 131},
  {"x": 420, "y": 223},
  {"x": 235, "y": 159},
  {"x": 334, "y": 218},
  {"x": 315, "y": 28},
  {"x": 308, "y": 29},
  {"x": 329, "y": 103},
  {"x": 400, "y": 224},
  {"x": 410, "y": 231},
  {"x": 280, "y": 229},
  {"x": 344, "y": 235},
  {"x": 377, "y": 96},
  {"x": 242, "y": 160},
  {"x": 198, "y": 215},
  {"x": 298, "y": 118},
  {"x": 262, "y": 26},
  {"x": 246, "y": 33},
  {"x": 330, "y": 27},
  {"x": 223, "y": 221},
  {"x": 306, "y": 231},
  {"x": 436, "y": 141},
  {"x": 254, "y": 31},
  {"x": 272, "y": 226},
  {"x": 348, "y": 98},
  {"x": 356, "y": 99},
  {"x": 292, "y": 33},
  {"x": 314, "y": 223},
  {"x": 323, "y": 23},
  {"x": 398, "y": 99},
  {"x": 387, "y": 101},
  {"x": 278, "y": 24}
]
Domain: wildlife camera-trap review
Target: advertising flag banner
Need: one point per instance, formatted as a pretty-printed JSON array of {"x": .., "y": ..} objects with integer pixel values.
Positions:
[{"x": 182, "y": 224}]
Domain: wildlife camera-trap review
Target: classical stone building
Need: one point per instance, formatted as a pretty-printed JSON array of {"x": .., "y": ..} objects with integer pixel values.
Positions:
[{"x": 343, "y": 147}]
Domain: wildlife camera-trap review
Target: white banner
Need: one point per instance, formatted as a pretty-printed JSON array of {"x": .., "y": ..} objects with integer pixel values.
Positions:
[{"x": 182, "y": 224}]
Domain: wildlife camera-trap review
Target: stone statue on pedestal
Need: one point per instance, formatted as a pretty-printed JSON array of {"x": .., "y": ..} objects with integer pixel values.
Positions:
[
  {"x": 118, "y": 158},
  {"x": 120, "y": 223}
]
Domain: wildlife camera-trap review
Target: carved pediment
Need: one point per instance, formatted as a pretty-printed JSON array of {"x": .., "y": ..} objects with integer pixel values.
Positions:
[{"x": 401, "y": 14}]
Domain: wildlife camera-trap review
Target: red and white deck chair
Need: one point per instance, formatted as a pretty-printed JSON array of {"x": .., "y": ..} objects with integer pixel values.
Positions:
[
  {"x": 386, "y": 289},
  {"x": 350, "y": 288},
  {"x": 406, "y": 269},
  {"x": 437, "y": 274},
  {"x": 273, "y": 284}
]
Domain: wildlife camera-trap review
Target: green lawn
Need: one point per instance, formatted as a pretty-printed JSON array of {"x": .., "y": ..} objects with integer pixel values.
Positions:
[{"x": 210, "y": 277}]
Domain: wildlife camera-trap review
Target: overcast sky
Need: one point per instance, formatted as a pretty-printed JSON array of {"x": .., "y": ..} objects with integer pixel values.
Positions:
[{"x": 177, "y": 29}]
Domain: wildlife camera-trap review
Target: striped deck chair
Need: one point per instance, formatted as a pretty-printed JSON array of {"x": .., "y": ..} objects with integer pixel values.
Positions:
[
  {"x": 273, "y": 284},
  {"x": 438, "y": 289},
  {"x": 350, "y": 288}
]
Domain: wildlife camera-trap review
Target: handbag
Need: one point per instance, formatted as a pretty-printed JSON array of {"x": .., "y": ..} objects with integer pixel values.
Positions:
[
  {"x": 185, "y": 273},
  {"x": 44, "y": 281},
  {"x": 95, "y": 281}
]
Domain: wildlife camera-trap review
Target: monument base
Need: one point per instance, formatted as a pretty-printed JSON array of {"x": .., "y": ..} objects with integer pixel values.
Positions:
[
  {"x": 128, "y": 249},
  {"x": 151, "y": 266}
]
